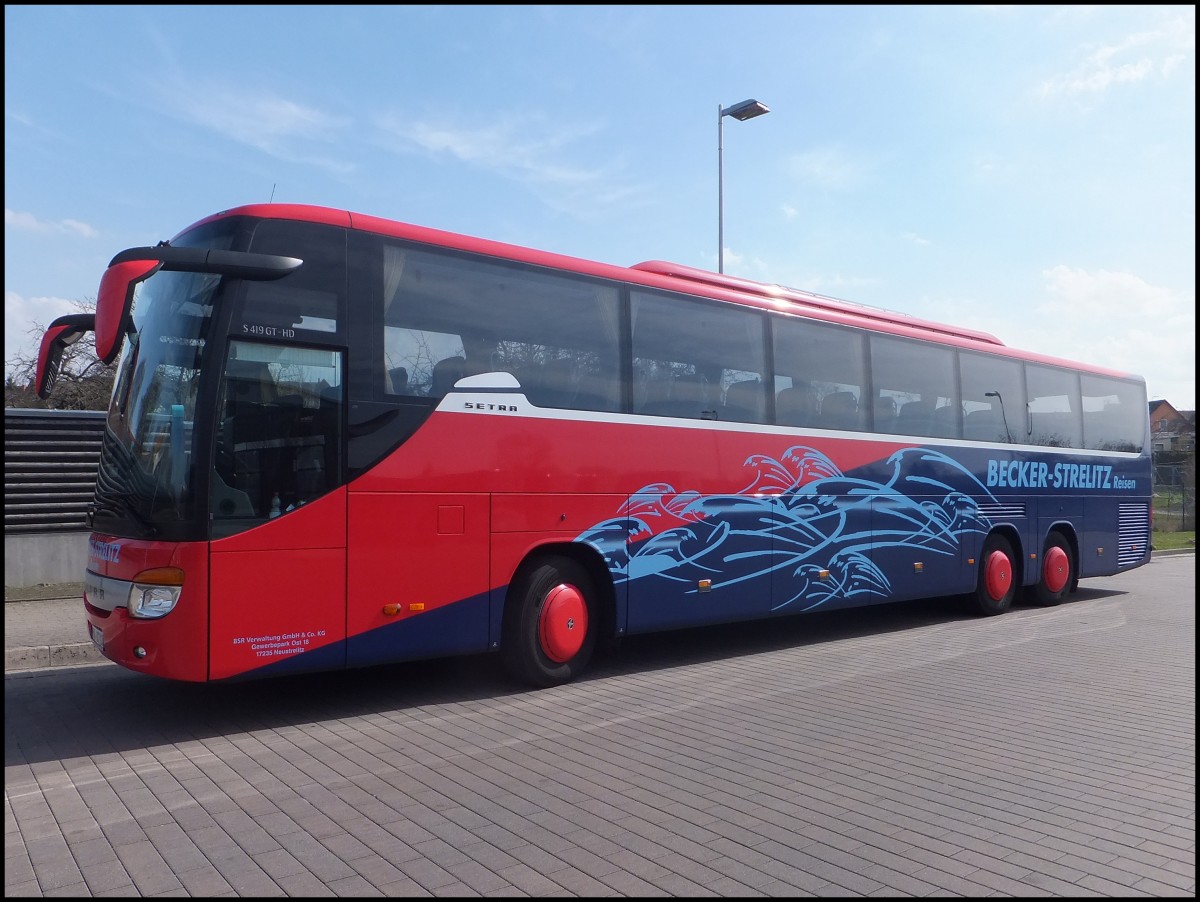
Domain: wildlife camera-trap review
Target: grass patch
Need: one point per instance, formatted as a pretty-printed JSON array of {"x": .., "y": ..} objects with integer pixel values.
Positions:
[{"x": 1171, "y": 541}]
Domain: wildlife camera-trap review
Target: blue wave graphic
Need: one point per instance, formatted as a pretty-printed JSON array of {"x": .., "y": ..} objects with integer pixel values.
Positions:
[{"x": 798, "y": 516}]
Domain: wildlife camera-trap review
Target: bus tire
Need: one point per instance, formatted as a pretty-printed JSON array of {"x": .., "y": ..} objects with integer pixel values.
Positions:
[
  {"x": 1056, "y": 579},
  {"x": 997, "y": 583},
  {"x": 550, "y": 622}
]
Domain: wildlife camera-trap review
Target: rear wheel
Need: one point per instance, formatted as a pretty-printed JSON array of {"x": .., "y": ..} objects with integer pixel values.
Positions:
[
  {"x": 549, "y": 622},
  {"x": 997, "y": 583},
  {"x": 1057, "y": 577}
]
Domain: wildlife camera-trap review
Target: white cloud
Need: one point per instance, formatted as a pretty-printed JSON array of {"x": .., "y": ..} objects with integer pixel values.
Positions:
[
  {"x": 732, "y": 260},
  {"x": 513, "y": 145},
  {"x": 526, "y": 149},
  {"x": 20, "y": 313},
  {"x": 1114, "y": 320},
  {"x": 19, "y": 117},
  {"x": 1107, "y": 296},
  {"x": 1120, "y": 321},
  {"x": 27, "y": 222},
  {"x": 828, "y": 167},
  {"x": 277, "y": 126},
  {"x": 262, "y": 121},
  {"x": 1156, "y": 53}
]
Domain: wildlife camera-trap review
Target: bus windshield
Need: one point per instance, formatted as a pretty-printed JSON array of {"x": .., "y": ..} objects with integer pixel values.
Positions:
[{"x": 146, "y": 484}]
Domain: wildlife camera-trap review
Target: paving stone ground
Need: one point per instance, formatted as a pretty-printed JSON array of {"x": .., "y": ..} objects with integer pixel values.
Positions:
[{"x": 913, "y": 750}]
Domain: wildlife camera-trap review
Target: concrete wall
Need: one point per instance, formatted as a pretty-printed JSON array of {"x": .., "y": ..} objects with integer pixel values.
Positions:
[{"x": 32, "y": 559}]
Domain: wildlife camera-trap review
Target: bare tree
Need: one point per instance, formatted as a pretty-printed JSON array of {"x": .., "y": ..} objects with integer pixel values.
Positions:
[{"x": 84, "y": 383}]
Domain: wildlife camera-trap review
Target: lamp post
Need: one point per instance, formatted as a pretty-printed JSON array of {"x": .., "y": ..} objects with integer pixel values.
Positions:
[{"x": 747, "y": 109}]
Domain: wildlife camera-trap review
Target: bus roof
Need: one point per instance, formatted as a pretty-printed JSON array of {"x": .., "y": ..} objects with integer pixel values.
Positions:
[{"x": 809, "y": 299}]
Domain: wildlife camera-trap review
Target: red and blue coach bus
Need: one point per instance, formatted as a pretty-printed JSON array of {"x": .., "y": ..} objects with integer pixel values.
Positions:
[{"x": 337, "y": 441}]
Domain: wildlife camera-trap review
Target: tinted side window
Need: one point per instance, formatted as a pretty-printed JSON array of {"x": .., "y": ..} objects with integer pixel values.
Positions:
[
  {"x": 993, "y": 398},
  {"x": 1053, "y": 416},
  {"x": 697, "y": 359},
  {"x": 913, "y": 388},
  {"x": 446, "y": 316},
  {"x": 1114, "y": 414},
  {"x": 820, "y": 374}
]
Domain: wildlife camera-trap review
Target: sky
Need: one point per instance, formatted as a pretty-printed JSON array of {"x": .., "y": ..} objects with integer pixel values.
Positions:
[{"x": 1025, "y": 170}]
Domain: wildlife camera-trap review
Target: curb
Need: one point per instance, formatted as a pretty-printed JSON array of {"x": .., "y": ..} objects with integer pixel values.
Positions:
[
  {"x": 37, "y": 657},
  {"x": 43, "y": 591}
]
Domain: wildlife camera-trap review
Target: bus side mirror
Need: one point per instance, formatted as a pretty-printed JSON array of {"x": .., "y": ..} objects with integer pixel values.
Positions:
[
  {"x": 115, "y": 301},
  {"x": 64, "y": 331}
]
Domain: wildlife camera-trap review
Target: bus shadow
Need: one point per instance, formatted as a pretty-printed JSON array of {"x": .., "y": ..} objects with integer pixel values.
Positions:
[
  {"x": 98, "y": 710},
  {"x": 639, "y": 654}
]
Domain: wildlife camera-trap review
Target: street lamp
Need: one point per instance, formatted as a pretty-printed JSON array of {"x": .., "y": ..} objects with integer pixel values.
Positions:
[{"x": 747, "y": 109}]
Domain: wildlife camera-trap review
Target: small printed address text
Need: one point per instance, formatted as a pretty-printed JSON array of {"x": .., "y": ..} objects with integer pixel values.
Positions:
[{"x": 280, "y": 644}]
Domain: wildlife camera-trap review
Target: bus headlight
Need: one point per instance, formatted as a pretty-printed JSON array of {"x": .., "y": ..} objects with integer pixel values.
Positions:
[{"x": 154, "y": 592}]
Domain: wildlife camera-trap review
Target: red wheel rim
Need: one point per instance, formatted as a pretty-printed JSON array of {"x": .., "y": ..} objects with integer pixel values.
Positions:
[
  {"x": 1056, "y": 569},
  {"x": 563, "y": 623},
  {"x": 997, "y": 574}
]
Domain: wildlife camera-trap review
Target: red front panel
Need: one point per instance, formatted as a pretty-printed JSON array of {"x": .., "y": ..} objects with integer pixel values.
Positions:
[
  {"x": 278, "y": 593},
  {"x": 174, "y": 646}
]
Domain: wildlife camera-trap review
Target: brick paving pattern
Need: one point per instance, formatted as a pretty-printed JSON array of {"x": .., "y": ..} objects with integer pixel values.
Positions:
[{"x": 913, "y": 751}]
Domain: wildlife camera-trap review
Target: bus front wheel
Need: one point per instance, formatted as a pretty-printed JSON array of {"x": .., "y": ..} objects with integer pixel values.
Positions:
[
  {"x": 549, "y": 623},
  {"x": 997, "y": 583},
  {"x": 1057, "y": 576}
]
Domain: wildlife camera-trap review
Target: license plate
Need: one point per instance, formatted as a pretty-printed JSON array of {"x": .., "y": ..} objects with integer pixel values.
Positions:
[{"x": 97, "y": 636}]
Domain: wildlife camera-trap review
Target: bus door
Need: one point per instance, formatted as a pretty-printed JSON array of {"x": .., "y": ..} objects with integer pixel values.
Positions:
[{"x": 278, "y": 513}]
